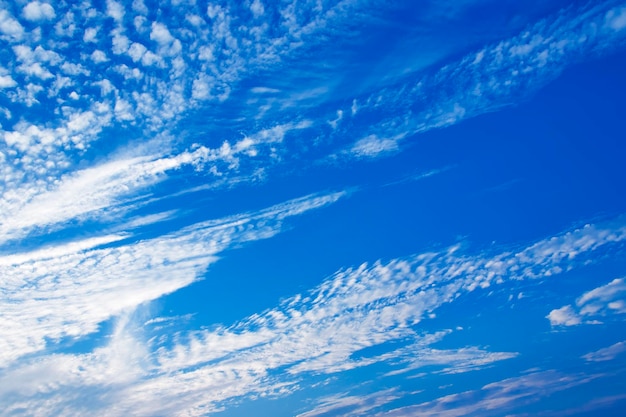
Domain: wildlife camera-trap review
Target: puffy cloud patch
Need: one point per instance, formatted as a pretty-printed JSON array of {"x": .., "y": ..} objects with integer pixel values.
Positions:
[
  {"x": 36, "y": 11},
  {"x": 600, "y": 302}
]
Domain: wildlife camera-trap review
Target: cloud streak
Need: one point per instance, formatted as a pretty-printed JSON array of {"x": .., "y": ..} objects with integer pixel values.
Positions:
[
  {"x": 318, "y": 333},
  {"x": 66, "y": 291},
  {"x": 495, "y": 398},
  {"x": 496, "y": 76},
  {"x": 603, "y": 301},
  {"x": 83, "y": 83}
]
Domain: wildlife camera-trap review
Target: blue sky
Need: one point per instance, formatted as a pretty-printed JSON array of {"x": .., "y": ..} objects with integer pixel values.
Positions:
[{"x": 312, "y": 208}]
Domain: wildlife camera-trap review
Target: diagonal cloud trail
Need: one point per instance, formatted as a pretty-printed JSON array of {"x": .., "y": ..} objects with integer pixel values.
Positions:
[
  {"x": 66, "y": 291},
  {"x": 496, "y": 76},
  {"x": 321, "y": 332}
]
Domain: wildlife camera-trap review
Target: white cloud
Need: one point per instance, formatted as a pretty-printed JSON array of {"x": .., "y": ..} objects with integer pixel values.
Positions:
[
  {"x": 354, "y": 309},
  {"x": 115, "y": 10},
  {"x": 201, "y": 87},
  {"x": 137, "y": 51},
  {"x": 120, "y": 42},
  {"x": 90, "y": 35},
  {"x": 616, "y": 18},
  {"x": 90, "y": 191},
  {"x": 594, "y": 301},
  {"x": 160, "y": 34},
  {"x": 6, "y": 81},
  {"x": 321, "y": 331},
  {"x": 257, "y": 8},
  {"x": 98, "y": 57},
  {"x": 36, "y": 11},
  {"x": 496, "y": 398},
  {"x": 264, "y": 90},
  {"x": 453, "y": 361},
  {"x": 564, "y": 316},
  {"x": 607, "y": 353},
  {"x": 355, "y": 405},
  {"x": 49, "y": 253},
  {"x": 333, "y": 123},
  {"x": 372, "y": 146},
  {"x": 66, "y": 26},
  {"x": 67, "y": 290},
  {"x": 603, "y": 301},
  {"x": 10, "y": 27},
  {"x": 168, "y": 44},
  {"x": 354, "y": 108},
  {"x": 484, "y": 81},
  {"x": 140, "y": 7}
]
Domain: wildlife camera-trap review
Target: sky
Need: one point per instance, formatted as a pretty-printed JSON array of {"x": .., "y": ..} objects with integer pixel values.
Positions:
[{"x": 312, "y": 208}]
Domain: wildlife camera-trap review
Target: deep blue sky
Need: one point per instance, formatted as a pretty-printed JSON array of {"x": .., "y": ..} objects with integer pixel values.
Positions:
[{"x": 312, "y": 208}]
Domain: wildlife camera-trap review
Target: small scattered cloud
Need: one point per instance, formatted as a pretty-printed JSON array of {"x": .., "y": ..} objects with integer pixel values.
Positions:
[
  {"x": 616, "y": 18},
  {"x": 10, "y": 27},
  {"x": 264, "y": 90},
  {"x": 606, "y": 300},
  {"x": 373, "y": 146},
  {"x": 564, "y": 316},
  {"x": 257, "y": 8},
  {"x": 6, "y": 81},
  {"x": 36, "y": 11},
  {"x": 333, "y": 123},
  {"x": 607, "y": 353}
]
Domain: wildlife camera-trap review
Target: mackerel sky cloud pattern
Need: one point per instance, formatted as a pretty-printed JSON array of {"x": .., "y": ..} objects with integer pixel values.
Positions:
[{"x": 312, "y": 208}]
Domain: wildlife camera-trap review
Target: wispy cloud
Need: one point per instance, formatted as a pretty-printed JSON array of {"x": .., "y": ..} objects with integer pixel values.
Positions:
[
  {"x": 66, "y": 291},
  {"x": 496, "y": 76},
  {"x": 129, "y": 74},
  {"x": 496, "y": 398},
  {"x": 355, "y": 405},
  {"x": 454, "y": 361},
  {"x": 324, "y": 331},
  {"x": 607, "y": 353},
  {"x": 76, "y": 75},
  {"x": 159, "y": 71},
  {"x": 87, "y": 193},
  {"x": 593, "y": 305}
]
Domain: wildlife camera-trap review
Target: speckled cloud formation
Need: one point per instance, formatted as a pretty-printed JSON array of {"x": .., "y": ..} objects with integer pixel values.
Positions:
[
  {"x": 264, "y": 354},
  {"x": 96, "y": 221}
]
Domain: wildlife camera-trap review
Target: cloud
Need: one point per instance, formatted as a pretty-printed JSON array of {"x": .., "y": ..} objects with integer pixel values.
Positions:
[
  {"x": 63, "y": 168},
  {"x": 454, "y": 361},
  {"x": 115, "y": 10},
  {"x": 355, "y": 405},
  {"x": 600, "y": 302},
  {"x": 607, "y": 353},
  {"x": 88, "y": 193},
  {"x": 264, "y": 90},
  {"x": 157, "y": 87},
  {"x": 321, "y": 332},
  {"x": 372, "y": 146},
  {"x": 6, "y": 81},
  {"x": 10, "y": 27},
  {"x": 145, "y": 90},
  {"x": 36, "y": 11},
  {"x": 257, "y": 8},
  {"x": 564, "y": 316},
  {"x": 616, "y": 18},
  {"x": 486, "y": 80},
  {"x": 496, "y": 398},
  {"x": 66, "y": 291}
]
